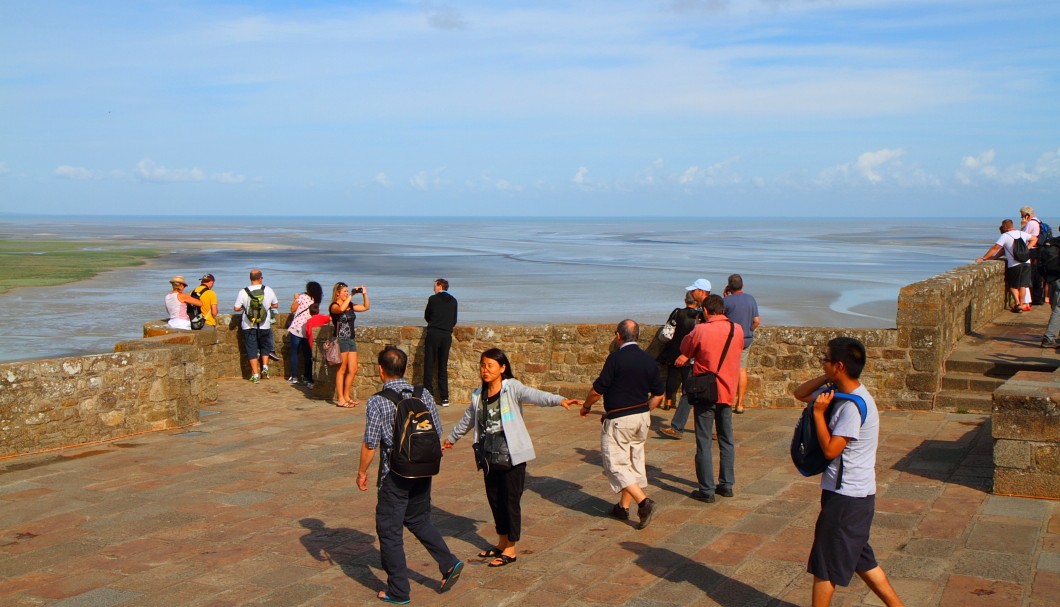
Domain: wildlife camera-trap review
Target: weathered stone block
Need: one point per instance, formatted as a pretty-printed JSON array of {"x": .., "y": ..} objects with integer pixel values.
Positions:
[
  {"x": 1010, "y": 481},
  {"x": 1012, "y": 454}
]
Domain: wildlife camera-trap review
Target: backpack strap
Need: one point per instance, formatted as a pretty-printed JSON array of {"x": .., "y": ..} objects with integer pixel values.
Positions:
[{"x": 863, "y": 410}]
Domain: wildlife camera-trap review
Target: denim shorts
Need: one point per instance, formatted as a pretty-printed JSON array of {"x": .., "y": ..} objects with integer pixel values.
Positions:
[
  {"x": 347, "y": 344},
  {"x": 258, "y": 342}
]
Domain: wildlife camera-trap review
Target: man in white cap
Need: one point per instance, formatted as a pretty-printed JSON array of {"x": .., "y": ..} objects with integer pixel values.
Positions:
[{"x": 700, "y": 290}]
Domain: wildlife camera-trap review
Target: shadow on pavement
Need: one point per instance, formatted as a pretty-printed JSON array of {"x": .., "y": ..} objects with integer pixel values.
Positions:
[{"x": 723, "y": 590}]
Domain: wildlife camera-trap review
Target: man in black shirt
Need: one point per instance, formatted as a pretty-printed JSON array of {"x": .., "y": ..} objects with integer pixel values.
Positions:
[
  {"x": 441, "y": 318},
  {"x": 631, "y": 387}
]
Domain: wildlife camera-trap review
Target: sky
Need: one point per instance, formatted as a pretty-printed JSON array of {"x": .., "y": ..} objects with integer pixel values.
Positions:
[{"x": 509, "y": 108}]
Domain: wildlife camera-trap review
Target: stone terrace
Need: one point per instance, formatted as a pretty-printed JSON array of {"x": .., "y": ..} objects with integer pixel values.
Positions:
[{"x": 257, "y": 505}]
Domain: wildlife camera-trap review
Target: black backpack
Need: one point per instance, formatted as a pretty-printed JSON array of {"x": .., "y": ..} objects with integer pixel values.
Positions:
[
  {"x": 806, "y": 451},
  {"x": 1049, "y": 258},
  {"x": 1020, "y": 252},
  {"x": 198, "y": 321},
  {"x": 417, "y": 448}
]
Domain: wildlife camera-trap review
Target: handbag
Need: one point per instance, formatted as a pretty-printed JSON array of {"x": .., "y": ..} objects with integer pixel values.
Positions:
[
  {"x": 666, "y": 333},
  {"x": 332, "y": 355},
  {"x": 702, "y": 389}
]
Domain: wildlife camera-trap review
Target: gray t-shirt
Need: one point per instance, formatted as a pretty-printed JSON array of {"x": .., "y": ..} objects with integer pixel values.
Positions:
[{"x": 859, "y": 456}]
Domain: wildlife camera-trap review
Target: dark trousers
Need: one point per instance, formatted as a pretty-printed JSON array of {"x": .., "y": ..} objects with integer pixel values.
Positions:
[
  {"x": 436, "y": 346},
  {"x": 707, "y": 418},
  {"x": 406, "y": 502},
  {"x": 504, "y": 491},
  {"x": 675, "y": 377}
]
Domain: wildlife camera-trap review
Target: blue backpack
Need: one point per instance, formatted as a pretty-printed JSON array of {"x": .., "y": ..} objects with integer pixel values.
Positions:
[
  {"x": 806, "y": 451},
  {"x": 1045, "y": 233}
]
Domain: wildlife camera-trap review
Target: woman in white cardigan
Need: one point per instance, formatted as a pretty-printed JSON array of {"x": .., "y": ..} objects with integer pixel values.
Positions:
[{"x": 502, "y": 445}]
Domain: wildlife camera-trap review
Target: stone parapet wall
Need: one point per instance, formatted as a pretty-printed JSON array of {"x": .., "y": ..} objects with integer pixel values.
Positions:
[
  {"x": 160, "y": 381},
  {"x": 1026, "y": 429},
  {"x": 934, "y": 314},
  {"x": 49, "y": 404}
]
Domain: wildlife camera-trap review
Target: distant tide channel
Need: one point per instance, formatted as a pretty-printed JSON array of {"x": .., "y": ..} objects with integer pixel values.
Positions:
[{"x": 803, "y": 272}]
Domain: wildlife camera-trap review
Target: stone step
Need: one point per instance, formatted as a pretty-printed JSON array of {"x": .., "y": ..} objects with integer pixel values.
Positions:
[
  {"x": 566, "y": 389},
  {"x": 970, "y": 382},
  {"x": 964, "y": 401},
  {"x": 1003, "y": 368}
]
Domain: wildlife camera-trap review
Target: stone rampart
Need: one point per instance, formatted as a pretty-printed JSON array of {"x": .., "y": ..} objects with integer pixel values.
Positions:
[
  {"x": 1026, "y": 429},
  {"x": 159, "y": 381}
]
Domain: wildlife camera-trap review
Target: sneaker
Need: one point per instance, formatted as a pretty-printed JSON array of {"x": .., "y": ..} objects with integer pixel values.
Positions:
[
  {"x": 254, "y": 379},
  {"x": 293, "y": 381},
  {"x": 645, "y": 510},
  {"x": 699, "y": 496},
  {"x": 445, "y": 403},
  {"x": 619, "y": 512},
  {"x": 667, "y": 432},
  {"x": 309, "y": 385},
  {"x": 273, "y": 356},
  {"x": 724, "y": 492},
  {"x": 1049, "y": 343},
  {"x": 265, "y": 372}
]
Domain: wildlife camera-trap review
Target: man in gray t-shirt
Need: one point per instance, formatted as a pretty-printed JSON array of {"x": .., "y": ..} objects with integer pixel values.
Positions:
[{"x": 841, "y": 536}]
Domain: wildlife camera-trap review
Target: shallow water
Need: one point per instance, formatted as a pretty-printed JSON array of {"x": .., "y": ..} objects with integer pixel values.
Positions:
[{"x": 808, "y": 272}]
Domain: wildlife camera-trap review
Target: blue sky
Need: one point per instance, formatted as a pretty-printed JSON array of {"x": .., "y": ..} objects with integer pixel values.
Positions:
[{"x": 683, "y": 107}]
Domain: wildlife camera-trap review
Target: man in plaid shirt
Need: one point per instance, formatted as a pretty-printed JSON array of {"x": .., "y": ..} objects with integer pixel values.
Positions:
[{"x": 402, "y": 501}]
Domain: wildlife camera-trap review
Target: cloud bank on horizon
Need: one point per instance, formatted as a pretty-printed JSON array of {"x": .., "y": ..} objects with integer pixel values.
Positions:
[{"x": 673, "y": 107}]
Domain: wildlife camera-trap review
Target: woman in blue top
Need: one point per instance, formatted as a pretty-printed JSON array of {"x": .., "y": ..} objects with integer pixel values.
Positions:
[{"x": 496, "y": 414}]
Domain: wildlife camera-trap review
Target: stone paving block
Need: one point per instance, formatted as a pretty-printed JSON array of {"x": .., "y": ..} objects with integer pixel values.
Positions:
[
  {"x": 100, "y": 597},
  {"x": 1049, "y": 561},
  {"x": 1000, "y": 505},
  {"x": 914, "y": 593},
  {"x": 998, "y": 535},
  {"x": 915, "y": 567},
  {"x": 931, "y": 547},
  {"x": 965, "y": 591},
  {"x": 993, "y": 566}
]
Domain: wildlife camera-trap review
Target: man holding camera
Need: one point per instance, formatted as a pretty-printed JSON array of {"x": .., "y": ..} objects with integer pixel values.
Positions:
[{"x": 715, "y": 344}]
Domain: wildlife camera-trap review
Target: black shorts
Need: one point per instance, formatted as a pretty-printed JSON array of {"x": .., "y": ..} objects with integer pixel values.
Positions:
[
  {"x": 841, "y": 538},
  {"x": 1018, "y": 277}
]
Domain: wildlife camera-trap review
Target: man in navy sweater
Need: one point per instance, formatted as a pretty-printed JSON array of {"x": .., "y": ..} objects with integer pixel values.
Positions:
[{"x": 631, "y": 387}]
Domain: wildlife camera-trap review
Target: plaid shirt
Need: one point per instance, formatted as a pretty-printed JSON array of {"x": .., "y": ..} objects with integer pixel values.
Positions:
[{"x": 379, "y": 421}]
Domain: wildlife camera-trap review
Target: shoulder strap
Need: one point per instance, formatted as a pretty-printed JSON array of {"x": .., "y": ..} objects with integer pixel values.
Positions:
[
  {"x": 725, "y": 350},
  {"x": 863, "y": 409}
]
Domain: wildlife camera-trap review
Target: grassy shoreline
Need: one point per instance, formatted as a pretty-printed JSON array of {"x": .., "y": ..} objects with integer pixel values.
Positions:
[{"x": 46, "y": 263}]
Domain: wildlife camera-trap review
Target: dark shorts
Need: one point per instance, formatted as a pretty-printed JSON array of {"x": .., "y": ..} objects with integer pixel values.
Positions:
[
  {"x": 841, "y": 538},
  {"x": 1018, "y": 277},
  {"x": 258, "y": 342},
  {"x": 347, "y": 344}
]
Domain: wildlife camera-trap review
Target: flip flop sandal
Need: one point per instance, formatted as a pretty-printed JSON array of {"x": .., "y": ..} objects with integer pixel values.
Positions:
[
  {"x": 492, "y": 553},
  {"x": 504, "y": 560},
  {"x": 386, "y": 598},
  {"x": 451, "y": 577},
  {"x": 349, "y": 404}
]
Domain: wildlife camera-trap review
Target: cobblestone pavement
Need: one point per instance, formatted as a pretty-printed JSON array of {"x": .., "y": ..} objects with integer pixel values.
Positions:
[{"x": 257, "y": 506}]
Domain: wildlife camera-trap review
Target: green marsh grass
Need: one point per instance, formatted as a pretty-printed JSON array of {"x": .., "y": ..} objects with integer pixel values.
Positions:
[{"x": 44, "y": 263}]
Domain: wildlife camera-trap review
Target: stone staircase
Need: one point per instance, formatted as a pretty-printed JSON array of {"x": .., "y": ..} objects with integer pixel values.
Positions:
[{"x": 982, "y": 361}]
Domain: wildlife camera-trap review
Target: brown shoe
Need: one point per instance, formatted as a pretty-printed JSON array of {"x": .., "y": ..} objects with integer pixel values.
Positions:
[
  {"x": 644, "y": 511},
  {"x": 666, "y": 432}
]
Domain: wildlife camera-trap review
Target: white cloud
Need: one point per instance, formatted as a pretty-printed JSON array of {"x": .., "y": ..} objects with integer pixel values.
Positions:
[
  {"x": 147, "y": 170},
  {"x": 381, "y": 179},
  {"x": 425, "y": 181},
  {"x": 3, "y": 168},
  {"x": 719, "y": 173},
  {"x": 71, "y": 172},
  {"x": 982, "y": 169},
  {"x": 444, "y": 17},
  {"x": 582, "y": 180},
  {"x": 874, "y": 167}
]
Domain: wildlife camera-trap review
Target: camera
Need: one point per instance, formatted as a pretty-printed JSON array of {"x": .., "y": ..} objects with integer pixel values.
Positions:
[{"x": 356, "y": 290}]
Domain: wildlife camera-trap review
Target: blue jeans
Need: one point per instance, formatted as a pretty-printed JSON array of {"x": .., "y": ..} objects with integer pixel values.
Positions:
[
  {"x": 680, "y": 418},
  {"x": 300, "y": 348},
  {"x": 709, "y": 417},
  {"x": 1054, "y": 303}
]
